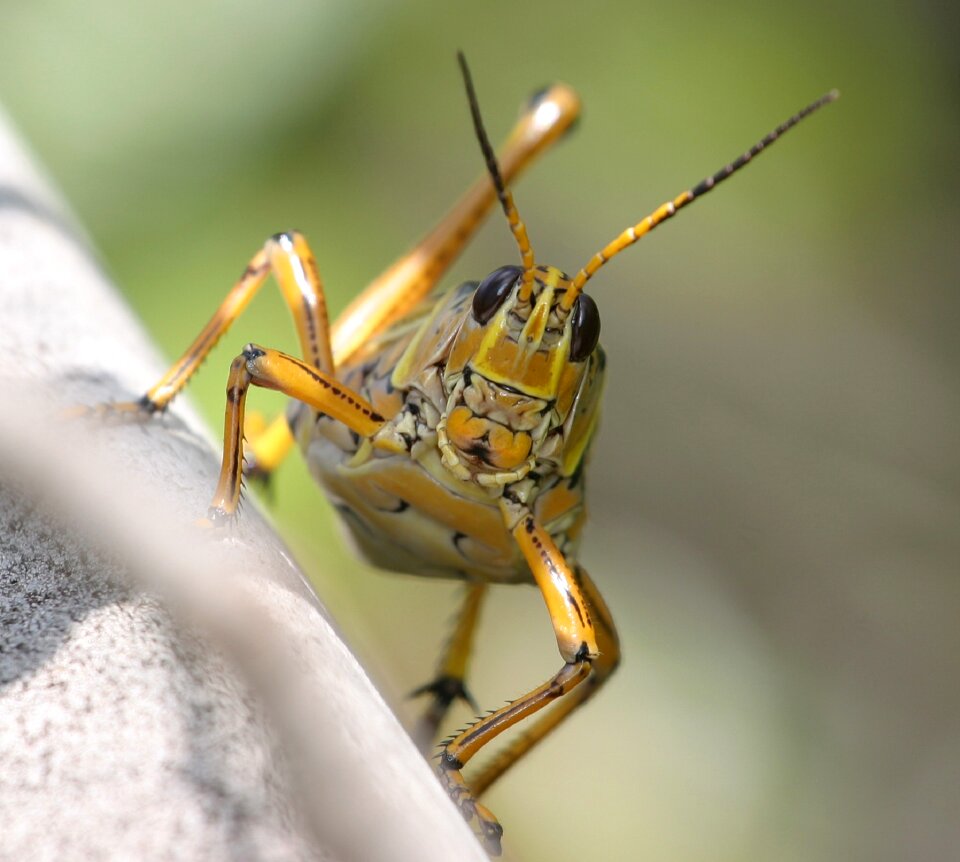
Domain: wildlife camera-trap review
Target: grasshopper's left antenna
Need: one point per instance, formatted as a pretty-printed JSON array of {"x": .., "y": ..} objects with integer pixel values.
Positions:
[{"x": 517, "y": 226}]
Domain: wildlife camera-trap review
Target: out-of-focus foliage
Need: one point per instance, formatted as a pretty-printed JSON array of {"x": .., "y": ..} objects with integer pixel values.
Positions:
[{"x": 775, "y": 494}]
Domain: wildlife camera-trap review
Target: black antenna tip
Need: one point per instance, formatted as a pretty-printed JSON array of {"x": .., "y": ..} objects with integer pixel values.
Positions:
[
  {"x": 486, "y": 147},
  {"x": 464, "y": 68}
]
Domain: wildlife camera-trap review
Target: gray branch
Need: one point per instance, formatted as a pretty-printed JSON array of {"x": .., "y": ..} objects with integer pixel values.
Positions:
[{"x": 165, "y": 692}]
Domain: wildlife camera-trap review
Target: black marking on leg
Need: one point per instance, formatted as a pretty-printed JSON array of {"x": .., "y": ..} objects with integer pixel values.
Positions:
[
  {"x": 555, "y": 689},
  {"x": 336, "y": 390},
  {"x": 250, "y": 270},
  {"x": 450, "y": 762},
  {"x": 571, "y": 599},
  {"x": 147, "y": 405}
]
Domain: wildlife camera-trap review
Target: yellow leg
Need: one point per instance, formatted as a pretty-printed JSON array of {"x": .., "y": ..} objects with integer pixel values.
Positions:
[
  {"x": 588, "y": 645},
  {"x": 603, "y": 666},
  {"x": 459, "y": 750},
  {"x": 288, "y": 256},
  {"x": 272, "y": 369},
  {"x": 449, "y": 684}
]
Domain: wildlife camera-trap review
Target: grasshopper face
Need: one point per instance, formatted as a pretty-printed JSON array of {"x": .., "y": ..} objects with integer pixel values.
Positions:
[{"x": 515, "y": 369}]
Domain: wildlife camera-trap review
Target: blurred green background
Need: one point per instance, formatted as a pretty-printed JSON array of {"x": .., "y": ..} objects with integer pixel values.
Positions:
[{"x": 775, "y": 491}]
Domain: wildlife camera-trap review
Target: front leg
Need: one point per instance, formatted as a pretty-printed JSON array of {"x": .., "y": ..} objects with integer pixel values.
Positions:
[
  {"x": 275, "y": 370},
  {"x": 588, "y": 645}
]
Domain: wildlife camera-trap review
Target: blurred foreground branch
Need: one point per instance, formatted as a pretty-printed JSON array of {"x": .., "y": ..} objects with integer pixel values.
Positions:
[{"x": 165, "y": 692}]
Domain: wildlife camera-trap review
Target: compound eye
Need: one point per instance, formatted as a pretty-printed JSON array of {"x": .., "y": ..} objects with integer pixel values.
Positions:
[
  {"x": 493, "y": 291},
  {"x": 586, "y": 328}
]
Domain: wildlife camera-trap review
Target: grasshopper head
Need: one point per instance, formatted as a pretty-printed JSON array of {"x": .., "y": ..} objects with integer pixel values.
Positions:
[{"x": 513, "y": 372}]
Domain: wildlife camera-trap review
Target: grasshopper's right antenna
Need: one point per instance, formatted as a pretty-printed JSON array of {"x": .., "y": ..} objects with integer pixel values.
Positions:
[{"x": 518, "y": 228}]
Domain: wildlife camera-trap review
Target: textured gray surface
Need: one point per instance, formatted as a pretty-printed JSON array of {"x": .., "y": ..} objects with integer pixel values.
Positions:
[
  {"x": 236, "y": 725},
  {"x": 119, "y": 734}
]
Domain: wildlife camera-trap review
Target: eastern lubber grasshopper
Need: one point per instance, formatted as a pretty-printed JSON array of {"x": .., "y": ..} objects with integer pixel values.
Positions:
[{"x": 451, "y": 429}]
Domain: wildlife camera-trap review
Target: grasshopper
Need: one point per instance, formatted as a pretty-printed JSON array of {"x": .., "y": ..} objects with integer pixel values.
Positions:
[{"x": 450, "y": 429}]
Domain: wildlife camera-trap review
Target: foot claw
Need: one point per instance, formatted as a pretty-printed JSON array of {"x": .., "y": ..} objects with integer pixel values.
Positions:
[
  {"x": 491, "y": 832},
  {"x": 217, "y": 517},
  {"x": 487, "y": 829},
  {"x": 447, "y": 689}
]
